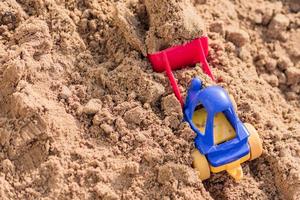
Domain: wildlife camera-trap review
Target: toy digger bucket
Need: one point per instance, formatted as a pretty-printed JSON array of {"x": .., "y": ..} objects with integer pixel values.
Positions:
[{"x": 181, "y": 56}]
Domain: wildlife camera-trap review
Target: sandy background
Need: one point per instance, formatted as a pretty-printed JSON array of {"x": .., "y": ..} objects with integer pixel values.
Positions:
[{"x": 83, "y": 116}]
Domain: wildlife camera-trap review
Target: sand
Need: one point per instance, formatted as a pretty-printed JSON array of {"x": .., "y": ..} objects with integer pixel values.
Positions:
[{"x": 83, "y": 115}]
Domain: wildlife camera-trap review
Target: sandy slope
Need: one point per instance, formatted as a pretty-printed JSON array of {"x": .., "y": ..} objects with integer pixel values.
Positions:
[{"x": 83, "y": 116}]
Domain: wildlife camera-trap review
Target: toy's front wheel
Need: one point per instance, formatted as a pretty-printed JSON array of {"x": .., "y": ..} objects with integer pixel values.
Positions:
[
  {"x": 201, "y": 164},
  {"x": 254, "y": 141}
]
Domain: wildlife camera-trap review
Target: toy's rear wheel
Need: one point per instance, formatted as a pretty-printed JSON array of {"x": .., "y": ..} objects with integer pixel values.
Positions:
[
  {"x": 233, "y": 102},
  {"x": 201, "y": 164},
  {"x": 254, "y": 141}
]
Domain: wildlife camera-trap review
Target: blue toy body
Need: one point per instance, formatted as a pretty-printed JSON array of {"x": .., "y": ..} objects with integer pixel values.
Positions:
[{"x": 215, "y": 99}]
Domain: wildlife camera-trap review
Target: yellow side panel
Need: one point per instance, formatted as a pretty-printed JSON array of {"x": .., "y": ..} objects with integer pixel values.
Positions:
[
  {"x": 223, "y": 130},
  {"x": 231, "y": 165}
]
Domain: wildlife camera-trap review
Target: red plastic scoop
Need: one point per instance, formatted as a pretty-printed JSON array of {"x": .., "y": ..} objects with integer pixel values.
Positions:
[{"x": 181, "y": 56}]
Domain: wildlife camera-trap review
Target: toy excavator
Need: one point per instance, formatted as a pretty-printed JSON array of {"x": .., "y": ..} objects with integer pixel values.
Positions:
[{"x": 222, "y": 142}]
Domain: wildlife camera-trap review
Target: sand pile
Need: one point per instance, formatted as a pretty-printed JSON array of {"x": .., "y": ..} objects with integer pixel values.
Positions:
[{"x": 83, "y": 116}]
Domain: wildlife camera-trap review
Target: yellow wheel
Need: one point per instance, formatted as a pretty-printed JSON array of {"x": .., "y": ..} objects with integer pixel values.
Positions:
[
  {"x": 254, "y": 141},
  {"x": 233, "y": 102},
  {"x": 201, "y": 164}
]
